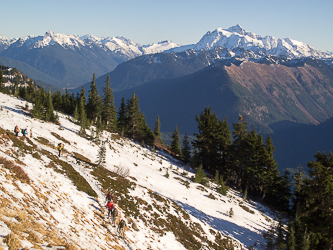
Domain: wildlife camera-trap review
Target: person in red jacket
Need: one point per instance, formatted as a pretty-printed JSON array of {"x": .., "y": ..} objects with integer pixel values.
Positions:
[{"x": 109, "y": 206}]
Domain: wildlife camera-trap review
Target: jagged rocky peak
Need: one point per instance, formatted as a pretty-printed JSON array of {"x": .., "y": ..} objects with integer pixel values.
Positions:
[{"x": 237, "y": 29}]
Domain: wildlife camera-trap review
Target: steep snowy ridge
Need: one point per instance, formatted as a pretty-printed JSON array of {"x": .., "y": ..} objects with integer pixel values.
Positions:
[{"x": 55, "y": 203}]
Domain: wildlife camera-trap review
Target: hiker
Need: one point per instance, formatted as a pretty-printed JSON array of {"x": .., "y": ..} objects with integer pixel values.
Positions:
[
  {"x": 114, "y": 214},
  {"x": 16, "y": 130},
  {"x": 24, "y": 131},
  {"x": 110, "y": 206},
  {"x": 60, "y": 147},
  {"x": 109, "y": 196},
  {"x": 121, "y": 227}
]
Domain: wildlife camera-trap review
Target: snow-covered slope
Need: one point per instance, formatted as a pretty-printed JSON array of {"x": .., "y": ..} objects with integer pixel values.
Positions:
[
  {"x": 236, "y": 37},
  {"x": 48, "y": 202}
]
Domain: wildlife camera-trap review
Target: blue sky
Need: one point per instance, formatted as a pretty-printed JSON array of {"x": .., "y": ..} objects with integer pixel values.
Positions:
[{"x": 181, "y": 21}]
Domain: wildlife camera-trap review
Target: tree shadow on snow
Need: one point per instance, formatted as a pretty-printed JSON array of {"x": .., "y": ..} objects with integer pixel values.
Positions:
[
  {"x": 244, "y": 235},
  {"x": 18, "y": 110}
]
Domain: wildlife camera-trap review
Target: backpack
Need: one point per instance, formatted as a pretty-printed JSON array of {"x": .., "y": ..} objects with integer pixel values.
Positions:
[
  {"x": 16, "y": 129},
  {"x": 24, "y": 131},
  {"x": 109, "y": 196}
]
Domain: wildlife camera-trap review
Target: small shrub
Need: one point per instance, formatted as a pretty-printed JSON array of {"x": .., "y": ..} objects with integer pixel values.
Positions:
[
  {"x": 211, "y": 196},
  {"x": 231, "y": 213},
  {"x": 123, "y": 171},
  {"x": 184, "y": 174},
  {"x": 167, "y": 174}
]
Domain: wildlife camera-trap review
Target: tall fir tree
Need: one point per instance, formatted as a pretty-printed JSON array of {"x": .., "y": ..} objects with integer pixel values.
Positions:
[
  {"x": 83, "y": 116},
  {"x": 316, "y": 213},
  {"x": 133, "y": 117},
  {"x": 49, "y": 110},
  {"x": 2, "y": 81},
  {"x": 109, "y": 113},
  {"x": 186, "y": 149},
  {"x": 122, "y": 116},
  {"x": 238, "y": 151},
  {"x": 212, "y": 140},
  {"x": 94, "y": 104},
  {"x": 157, "y": 132},
  {"x": 175, "y": 143},
  {"x": 101, "y": 157}
]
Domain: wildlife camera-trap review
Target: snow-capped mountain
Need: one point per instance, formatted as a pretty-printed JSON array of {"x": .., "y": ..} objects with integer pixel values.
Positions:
[
  {"x": 236, "y": 37},
  {"x": 115, "y": 44},
  {"x": 70, "y": 60}
]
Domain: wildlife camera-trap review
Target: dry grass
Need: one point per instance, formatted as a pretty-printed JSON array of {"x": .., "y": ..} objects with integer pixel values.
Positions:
[
  {"x": 15, "y": 170},
  {"x": 53, "y": 239},
  {"x": 33, "y": 238},
  {"x": 12, "y": 242},
  {"x": 70, "y": 246}
]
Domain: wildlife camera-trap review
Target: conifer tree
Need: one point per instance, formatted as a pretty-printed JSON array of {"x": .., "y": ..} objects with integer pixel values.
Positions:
[
  {"x": 49, "y": 112},
  {"x": 31, "y": 91},
  {"x": 186, "y": 150},
  {"x": 94, "y": 105},
  {"x": 175, "y": 144},
  {"x": 101, "y": 155},
  {"x": 212, "y": 140},
  {"x": 83, "y": 117},
  {"x": 317, "y": 206},
  {"x": 238, "y": 151},
  {"x": 133, "y": 116},
  {"x": 15, "y": 89},
  {"x": 109, "y": 113},
  {"x": 200, "y": 176},
  {"x": 2, "y": 81},
  {"x": 122, "y": 115},
  {"x": 76, "y": 112},
  {"x": 157, "y": 132}
]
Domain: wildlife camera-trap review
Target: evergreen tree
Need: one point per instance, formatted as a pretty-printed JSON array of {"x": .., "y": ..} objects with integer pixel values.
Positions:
[
  {"x": 200, "y": 176},
  {"x": 94, "y": 105},
  {"x": 238, "y": 151},
  {"x": 157, "y": 132},
  {"x": 2, "y": 81},
  {"x": 186, "y": 150},
  {"x": 83, "y": 117},
  {"x": 57, "y": 101},
  {"x": 133, "y": 117},
  {"x": 212, "y": 140},
  {"x": 76, "y": 112},
  {"x": 31, "y": 91},
  {"x": 316, "y": 211},
  {"x": 101, "y": 155},
  {"x": 49, "y": 112},
  {"x": 175, "y": 144},
  {"x": 109, "y": 113},
  {"x": 122, "y": 115},
  {"x": 15, "y": 89}
]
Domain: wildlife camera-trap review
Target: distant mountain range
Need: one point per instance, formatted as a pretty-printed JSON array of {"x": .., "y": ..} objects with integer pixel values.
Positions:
[{"x": 68, "y": 61}]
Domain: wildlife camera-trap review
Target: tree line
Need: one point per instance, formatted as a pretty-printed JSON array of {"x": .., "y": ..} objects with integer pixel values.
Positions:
[{"x": 239, "y": 157}]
